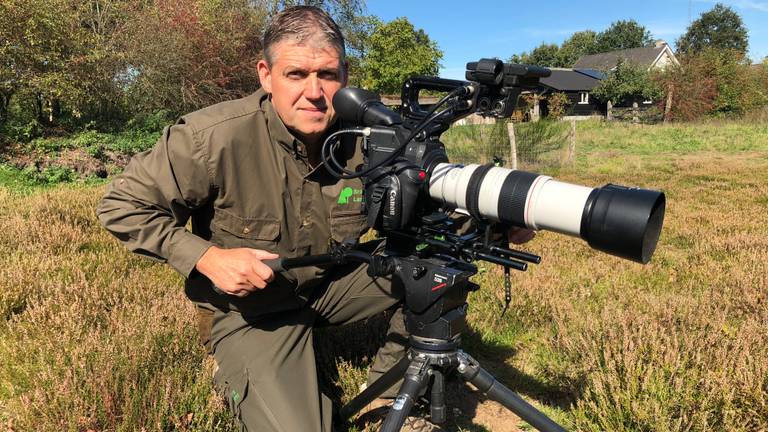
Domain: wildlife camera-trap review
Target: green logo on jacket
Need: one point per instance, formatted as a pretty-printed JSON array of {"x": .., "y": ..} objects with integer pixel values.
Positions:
[{"x": 356, "y": 195}]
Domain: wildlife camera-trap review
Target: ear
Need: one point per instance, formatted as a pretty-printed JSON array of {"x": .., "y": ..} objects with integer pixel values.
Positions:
[
  {"x": 265, "y": 75},
  {"x": 345, "y": 73}
]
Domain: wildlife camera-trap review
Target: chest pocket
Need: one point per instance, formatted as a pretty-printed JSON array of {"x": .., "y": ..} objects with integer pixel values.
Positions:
[
  {"x": 232, "y": 231},
  {"x": 346, "y": 224}
]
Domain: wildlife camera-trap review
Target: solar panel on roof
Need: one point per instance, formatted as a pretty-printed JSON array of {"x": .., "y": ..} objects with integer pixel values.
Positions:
[{"x": 596, "y": 74}]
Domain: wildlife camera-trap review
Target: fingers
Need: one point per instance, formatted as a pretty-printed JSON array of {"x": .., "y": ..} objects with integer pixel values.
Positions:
[
  {"x": 261, "y": 270},
  {"x": 263, "y": 255},
  {"x": 238, "y": 272}
]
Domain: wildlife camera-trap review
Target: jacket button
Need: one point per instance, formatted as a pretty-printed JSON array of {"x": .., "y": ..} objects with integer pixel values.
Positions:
[{"x": 246, "y": 230}]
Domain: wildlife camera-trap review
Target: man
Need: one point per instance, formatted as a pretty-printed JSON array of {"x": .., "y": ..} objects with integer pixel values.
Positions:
[{"x": 248, "y": 174}]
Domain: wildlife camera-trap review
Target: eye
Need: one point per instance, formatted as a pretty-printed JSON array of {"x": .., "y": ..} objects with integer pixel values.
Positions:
[
  {"x": 296, "y": 74},
  {"x": 329, "y": 75}
]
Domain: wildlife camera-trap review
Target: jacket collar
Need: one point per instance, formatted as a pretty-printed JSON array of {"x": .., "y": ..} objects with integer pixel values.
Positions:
[{"x": 277, "y": 129}]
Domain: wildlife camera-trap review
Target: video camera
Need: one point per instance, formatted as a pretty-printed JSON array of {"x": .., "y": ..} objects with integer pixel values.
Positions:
[{"x": 409, "y": 181}]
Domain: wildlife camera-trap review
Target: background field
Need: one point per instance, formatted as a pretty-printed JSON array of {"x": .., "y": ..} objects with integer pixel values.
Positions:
[{"x": 92, "y": 338}]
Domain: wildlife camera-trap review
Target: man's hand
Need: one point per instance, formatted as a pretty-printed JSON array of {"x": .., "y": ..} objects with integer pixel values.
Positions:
[
  {"x": 237, "y": 272},
  {"x": 518, "y": 236}
]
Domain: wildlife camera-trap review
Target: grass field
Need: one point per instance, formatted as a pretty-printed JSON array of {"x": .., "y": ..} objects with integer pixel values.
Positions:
[{"x": 92, "y": 338}]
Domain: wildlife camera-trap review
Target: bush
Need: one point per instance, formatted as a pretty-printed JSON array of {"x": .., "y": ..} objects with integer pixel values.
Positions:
[
  {"x": 557, "y": 103},
  {"x": 150, "y": 122},
  {"x": 714, "y": 82},
  {"x": 50, "y": 175}
]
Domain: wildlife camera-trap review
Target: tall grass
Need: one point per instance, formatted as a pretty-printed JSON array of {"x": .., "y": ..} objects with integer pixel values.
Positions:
[{"x": 92, "y": 338}]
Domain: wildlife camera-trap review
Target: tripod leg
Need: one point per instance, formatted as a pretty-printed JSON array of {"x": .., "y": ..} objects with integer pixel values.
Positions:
[
  {"x": 375, "y": 389},
  {"x": 437, "y": 399},
  {"x": 416, "y": 378},
  {"x": 471, "y": 371}
]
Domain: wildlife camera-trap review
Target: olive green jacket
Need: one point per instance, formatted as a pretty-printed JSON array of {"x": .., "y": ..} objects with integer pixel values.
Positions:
[{"x": 243, "y": 179}]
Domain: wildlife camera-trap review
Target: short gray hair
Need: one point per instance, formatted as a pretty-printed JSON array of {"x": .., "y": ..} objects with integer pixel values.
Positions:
[{"x": 299, "y": 24}]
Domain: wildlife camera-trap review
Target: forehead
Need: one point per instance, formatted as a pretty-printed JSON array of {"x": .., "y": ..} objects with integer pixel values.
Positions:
[{"x": 307, "y": 54}]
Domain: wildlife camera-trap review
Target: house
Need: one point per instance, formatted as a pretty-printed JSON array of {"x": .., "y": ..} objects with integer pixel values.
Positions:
[
  {"x": 576, "y": 84},
  {"x": 658, "y": 56}
]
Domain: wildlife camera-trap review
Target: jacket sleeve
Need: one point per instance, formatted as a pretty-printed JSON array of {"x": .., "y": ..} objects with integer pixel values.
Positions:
[{"x": 148, "y": 205}]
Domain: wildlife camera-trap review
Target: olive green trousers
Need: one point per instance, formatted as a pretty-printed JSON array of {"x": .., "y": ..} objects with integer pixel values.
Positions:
[{"x": 266, "y": 366}]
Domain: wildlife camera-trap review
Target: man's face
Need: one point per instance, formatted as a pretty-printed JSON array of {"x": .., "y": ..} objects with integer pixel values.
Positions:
[{"x": 302, "y": 80}]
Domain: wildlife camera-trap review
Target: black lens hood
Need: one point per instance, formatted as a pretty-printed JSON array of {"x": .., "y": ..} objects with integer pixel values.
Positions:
[{"x": 622, "y": 221}]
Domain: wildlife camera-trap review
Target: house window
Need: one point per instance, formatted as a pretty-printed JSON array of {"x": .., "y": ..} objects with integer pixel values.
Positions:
[{"x": 584, "y": 97}]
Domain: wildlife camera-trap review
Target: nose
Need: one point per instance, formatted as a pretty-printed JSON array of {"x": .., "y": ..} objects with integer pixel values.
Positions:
[{"x": 313, "y": 89}]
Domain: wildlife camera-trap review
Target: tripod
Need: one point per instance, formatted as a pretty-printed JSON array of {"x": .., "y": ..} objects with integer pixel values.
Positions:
[
  {"x": 436, "y": 289},
  {"x": 436, "y": 322}
]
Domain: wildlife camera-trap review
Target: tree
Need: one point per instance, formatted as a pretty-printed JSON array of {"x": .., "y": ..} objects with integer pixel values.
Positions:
[
  {"x": 578, "y": 45},
  {"x": 59, "y": 57},
  {"x": 181, "y": 56},
  {"x": 622, "y": 35},
  {"x": 545, "y": 55},
  {"x": 628, "y": 82},
  {"x": 397, "y": 51},
  {"x": 719, "y": 28}
]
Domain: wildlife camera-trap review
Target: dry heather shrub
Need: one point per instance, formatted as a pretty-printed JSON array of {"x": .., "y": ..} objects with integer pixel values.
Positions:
[
  {"x": 686, "y": 351},
  {"x": 95, "y": 339},
  {"x": 677, "y": 345}
]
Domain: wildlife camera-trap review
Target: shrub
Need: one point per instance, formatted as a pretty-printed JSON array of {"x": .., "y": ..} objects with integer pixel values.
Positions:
[
  {"x": 714, "y": 82},
  {"x": 49, "y": 175},
  {"x": 557, "y": 103}
]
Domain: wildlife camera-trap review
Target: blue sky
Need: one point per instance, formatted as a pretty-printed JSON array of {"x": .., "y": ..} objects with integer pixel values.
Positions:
[{"x": 473, "y": 29}]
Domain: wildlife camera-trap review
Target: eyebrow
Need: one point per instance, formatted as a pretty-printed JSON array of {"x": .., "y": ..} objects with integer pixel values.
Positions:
[{"x": 290, "y": 69}]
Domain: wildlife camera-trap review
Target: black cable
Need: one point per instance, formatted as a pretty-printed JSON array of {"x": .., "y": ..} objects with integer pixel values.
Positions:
[
  {"x": 355, "y": 174},
  {"x": 340, "y": 172},
  {"x": 327, "y": 150}
]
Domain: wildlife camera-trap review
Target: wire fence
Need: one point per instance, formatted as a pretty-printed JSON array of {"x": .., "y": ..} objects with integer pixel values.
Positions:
[{"x": 534, "y": 146}]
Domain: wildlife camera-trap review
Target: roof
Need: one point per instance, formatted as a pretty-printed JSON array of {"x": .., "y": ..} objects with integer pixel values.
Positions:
[
  {"x": 645, "y": 56},
  {"x": 569, "y": 80},
  {"x": 593, "y": 73}
]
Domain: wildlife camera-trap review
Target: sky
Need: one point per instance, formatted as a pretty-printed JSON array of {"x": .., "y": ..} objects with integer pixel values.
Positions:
[{"x": 469, "y": 30}]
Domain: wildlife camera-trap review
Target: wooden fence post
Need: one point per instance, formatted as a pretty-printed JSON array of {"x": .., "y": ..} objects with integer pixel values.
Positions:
[
  {"x": 668, "y": 105},
  {"x": 512, "y": 145},
  {"x": 609, "y": 111},
  {"x": 635, "y": 117}
]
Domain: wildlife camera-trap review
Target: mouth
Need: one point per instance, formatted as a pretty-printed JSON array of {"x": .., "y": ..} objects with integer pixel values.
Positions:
[{"x": 314, "y": 111}]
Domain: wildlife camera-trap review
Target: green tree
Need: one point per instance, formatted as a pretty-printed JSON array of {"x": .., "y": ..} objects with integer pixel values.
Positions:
[
  {"x": 181, "y": 56},
  {"x": 397, "y": 51},
  {"x": 579, "y": 44},
  {"x": 628, "y": 82},
  {"x": 622, "y": 35},
  {"x": 545, "y": 55},
  {"x": 58, "y": 57},
  {"x": 719, "y": 28}
]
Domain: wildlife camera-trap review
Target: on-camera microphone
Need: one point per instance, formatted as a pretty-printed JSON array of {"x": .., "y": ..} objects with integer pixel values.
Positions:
[{"x": 363, "y": 107}]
